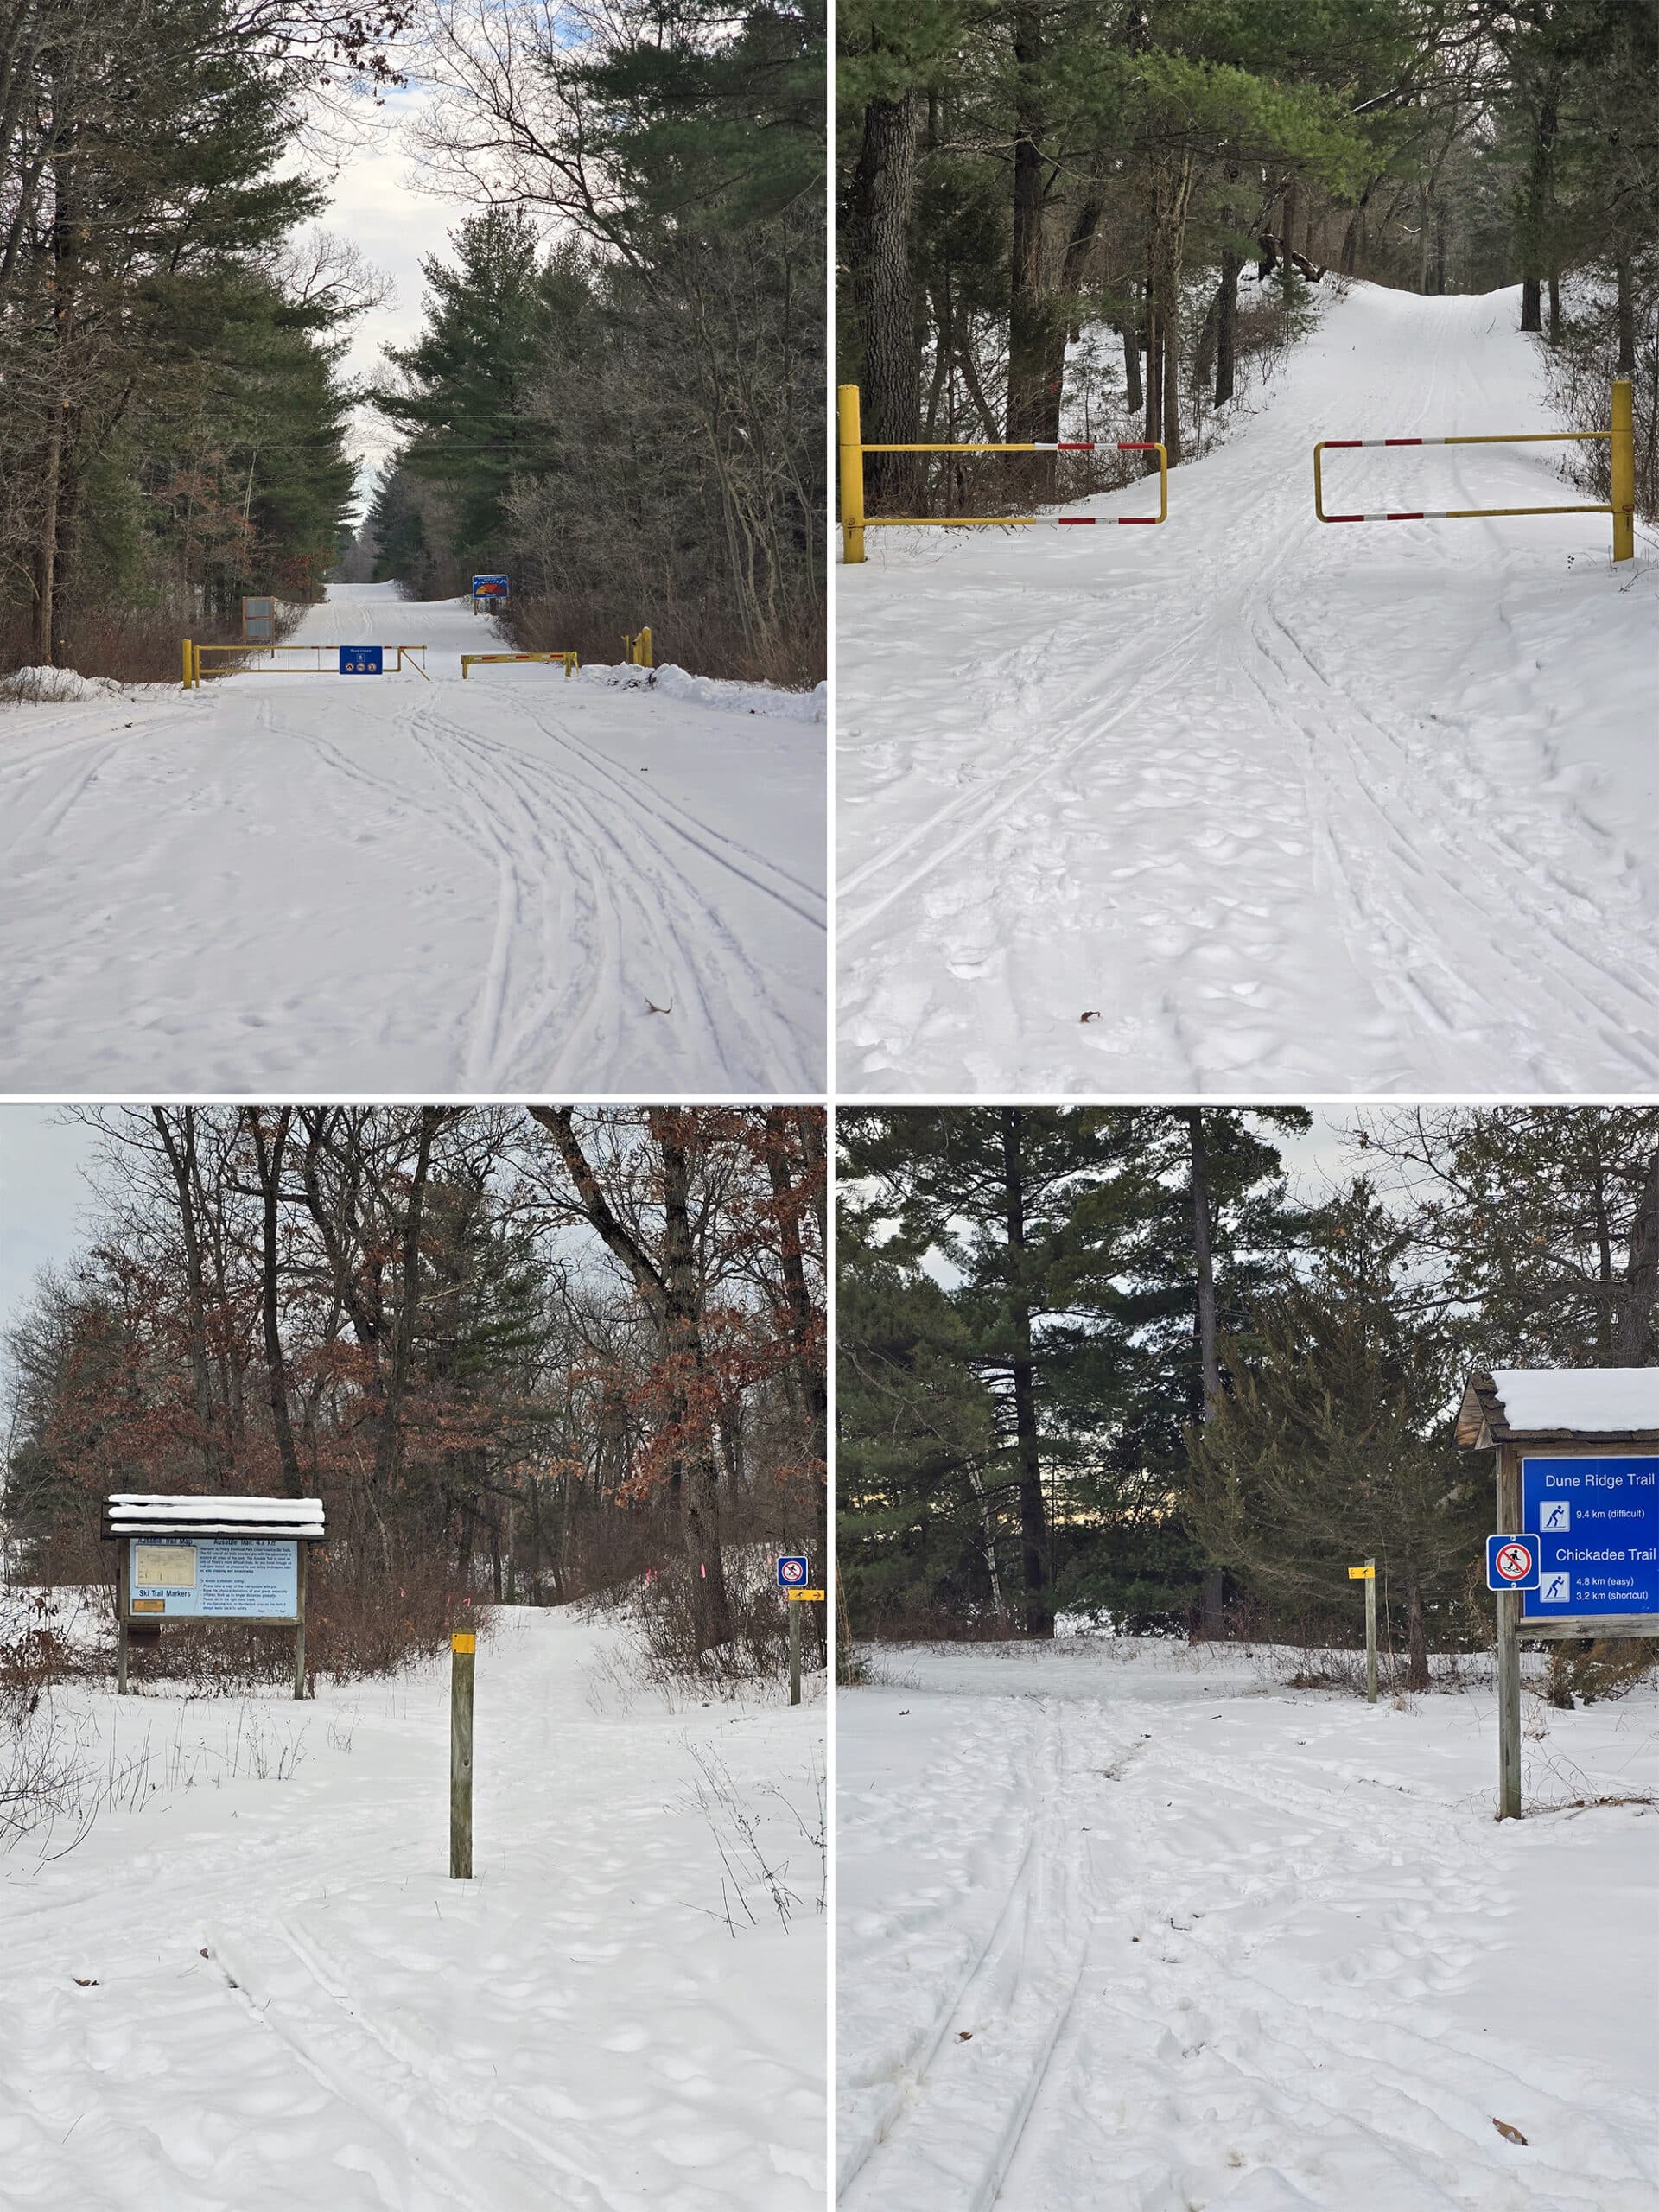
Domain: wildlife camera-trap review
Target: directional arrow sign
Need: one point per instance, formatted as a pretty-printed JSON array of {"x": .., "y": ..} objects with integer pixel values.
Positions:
[{"x": 1511, "y": 1562}]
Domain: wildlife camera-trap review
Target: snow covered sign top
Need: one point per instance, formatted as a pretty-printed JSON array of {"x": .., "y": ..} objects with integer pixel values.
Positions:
[
  {"x": 1539, "y": 1402},
  {"x": 144, "y": 1513}
]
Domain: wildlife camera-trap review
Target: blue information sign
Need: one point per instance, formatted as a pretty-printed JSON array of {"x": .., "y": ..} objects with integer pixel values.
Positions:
[
  {"x": 1511, "y": 1562},
  {"x": 791, "y": 1571},
  {"x": 360, "y": 660},
  {"x": 489, "y": 588},
  {"x": 214, "y": 1578},
  {"x": 1597, "y": 1521}
]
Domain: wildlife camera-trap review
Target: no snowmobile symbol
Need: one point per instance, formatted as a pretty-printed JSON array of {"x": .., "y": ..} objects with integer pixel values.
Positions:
[
  {"x": 1511, "y": 1562},
  {"x": 792, "y": 1570}
]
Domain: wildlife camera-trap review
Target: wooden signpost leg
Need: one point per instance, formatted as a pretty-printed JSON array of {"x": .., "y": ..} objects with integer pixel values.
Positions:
[
  {"x": 1370, "y": 1633},
  {"x": 121, "y": 1623},
  {"x": 1508, "y": 1649},
  {"x": 795, "y": 1651},
  {"x": 462, "y": 1650},
  {"x": 299, "y": 1626}
]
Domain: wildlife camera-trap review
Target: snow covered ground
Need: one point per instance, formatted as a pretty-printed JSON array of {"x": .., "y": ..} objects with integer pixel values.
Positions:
[
  {"x": 1121, "y": 1924},
  {"x": 352, "y": 884},
  {"x": 1253, "y": 799},
  {"x": 249, "y": 1995}
]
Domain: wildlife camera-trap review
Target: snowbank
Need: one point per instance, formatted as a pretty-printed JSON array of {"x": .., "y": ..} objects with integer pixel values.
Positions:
[{"x": 715, "y": 692}]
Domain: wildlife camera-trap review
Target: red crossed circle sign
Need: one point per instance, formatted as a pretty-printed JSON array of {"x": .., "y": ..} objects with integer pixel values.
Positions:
[{"x": 1514, "y": 1561}]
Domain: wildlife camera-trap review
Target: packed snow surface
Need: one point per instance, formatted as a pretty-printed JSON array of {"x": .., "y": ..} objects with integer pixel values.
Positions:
[
  {"x": 376, "y": 884},
  {"x": 1249, "y": 798},
  {"x": 1123, "y": 1925},
  {"x": 250, "y": 1995}
]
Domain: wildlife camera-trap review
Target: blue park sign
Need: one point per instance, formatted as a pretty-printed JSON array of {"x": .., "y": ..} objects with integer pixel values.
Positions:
[
  {"x": 1597, "y": 1522},
  {"x": 214, "y": 1578},
  {"x": 360, "y": 660},
  {"x": 489, "y": 588}
]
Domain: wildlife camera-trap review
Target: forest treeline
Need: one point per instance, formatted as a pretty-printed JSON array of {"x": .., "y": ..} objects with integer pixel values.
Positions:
[
  {"x": 618, "y": 397},
  {"x": 1092, "y": 213},
  {"x": 171, "y": 320},
  {"x": 1110, "y": 1360},
  {"x": 521, "y": 1353}
]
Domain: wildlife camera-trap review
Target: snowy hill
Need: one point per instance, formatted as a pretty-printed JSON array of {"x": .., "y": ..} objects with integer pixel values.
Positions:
[
  {"x": 362, "y": 884},
  {"x": 260, "y": 1993},
  {"x": 1121, "y": 1925},
  {"x": 1345, "y": 808}
]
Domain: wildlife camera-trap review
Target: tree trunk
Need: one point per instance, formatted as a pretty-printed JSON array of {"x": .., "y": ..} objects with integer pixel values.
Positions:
[
  {"x": 1416, "y": 1640},
  {"x": 1540, "y": 190},
  {"x": 1208, "y": 1336},
  {"x": 880, "y": 220},
  {"x": 1033, "y": 1530},
  {"x": 1633, "y": 1340},
  {"x": 1227, "y": 324},
  {"x": 786, "y": 1196},
  {"x": 1027, "y": 321},
  {"x": 1135, "y": 398},
  {"x": 180, "y": 1147},
  {"x": 395, "y": 1383},
  {"x": 699, "y": 1506},
  {"x": 1626, "y": 296},
  {"x": 269, "y": 1153}
]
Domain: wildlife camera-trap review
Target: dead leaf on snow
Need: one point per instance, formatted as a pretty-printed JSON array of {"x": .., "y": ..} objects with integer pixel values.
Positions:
[{"x": 1510, "y": 2134}]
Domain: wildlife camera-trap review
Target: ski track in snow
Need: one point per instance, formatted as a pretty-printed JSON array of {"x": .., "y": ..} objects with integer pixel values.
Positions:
[
  {"x": 1356, "y": 808},
  {"x": 391, "y": 885},
  {"x": 1141, "y": 1942},
  {"x": 290, "y": 2004}
]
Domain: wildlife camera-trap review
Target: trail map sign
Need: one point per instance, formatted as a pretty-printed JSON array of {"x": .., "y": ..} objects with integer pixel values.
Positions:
[
  {"x": 216, "y": 1577},
  {"x": 1597, "y": 1521},
  {"x": 1512, "y": 1563},
  {"x": 210, "y": 1559}
]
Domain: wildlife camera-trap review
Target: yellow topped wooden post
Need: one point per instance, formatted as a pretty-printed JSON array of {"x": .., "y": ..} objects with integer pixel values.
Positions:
[
  {"x": 187, "y": 669},
  {"x": 1622, "y": 452},
  {"x": 462, "y": 1649},
  {"x": 851, "y": 438}
]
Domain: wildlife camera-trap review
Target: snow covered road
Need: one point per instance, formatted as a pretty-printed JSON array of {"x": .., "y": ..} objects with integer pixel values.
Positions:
[
  {"x": 250, "y": 1995},
  {"x": 374, "y": 886},
  {"x": 1342, "y": 808},
  {"x": 1119, "y": 1925}
]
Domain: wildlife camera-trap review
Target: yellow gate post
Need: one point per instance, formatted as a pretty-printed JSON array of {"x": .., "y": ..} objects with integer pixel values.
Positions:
[
  {"x": 1621, "y": 454},
  {"x": 188, "y": 670},
  {"x": 852, "y": 473}
]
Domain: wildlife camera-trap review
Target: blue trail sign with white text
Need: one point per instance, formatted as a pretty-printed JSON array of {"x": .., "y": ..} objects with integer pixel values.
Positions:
[
  {"x": 360, "y": 660},
  {"x": 1597, "y": 1522}
]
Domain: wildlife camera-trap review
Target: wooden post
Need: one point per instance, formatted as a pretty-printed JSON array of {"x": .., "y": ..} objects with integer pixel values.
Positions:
[
  {"x": 461, "y": 1651},
  {"x": 121, "y": 1597},
  {"x": 1370, "y": 1633},
  {"x": 1509, "y": 1646},
  {"x": 303, "y": 1551},
  {"x": 795, "y": 1605}
]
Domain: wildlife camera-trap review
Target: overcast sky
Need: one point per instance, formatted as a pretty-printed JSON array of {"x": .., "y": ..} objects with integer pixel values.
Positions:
[{"x": 375, "y": 201}]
